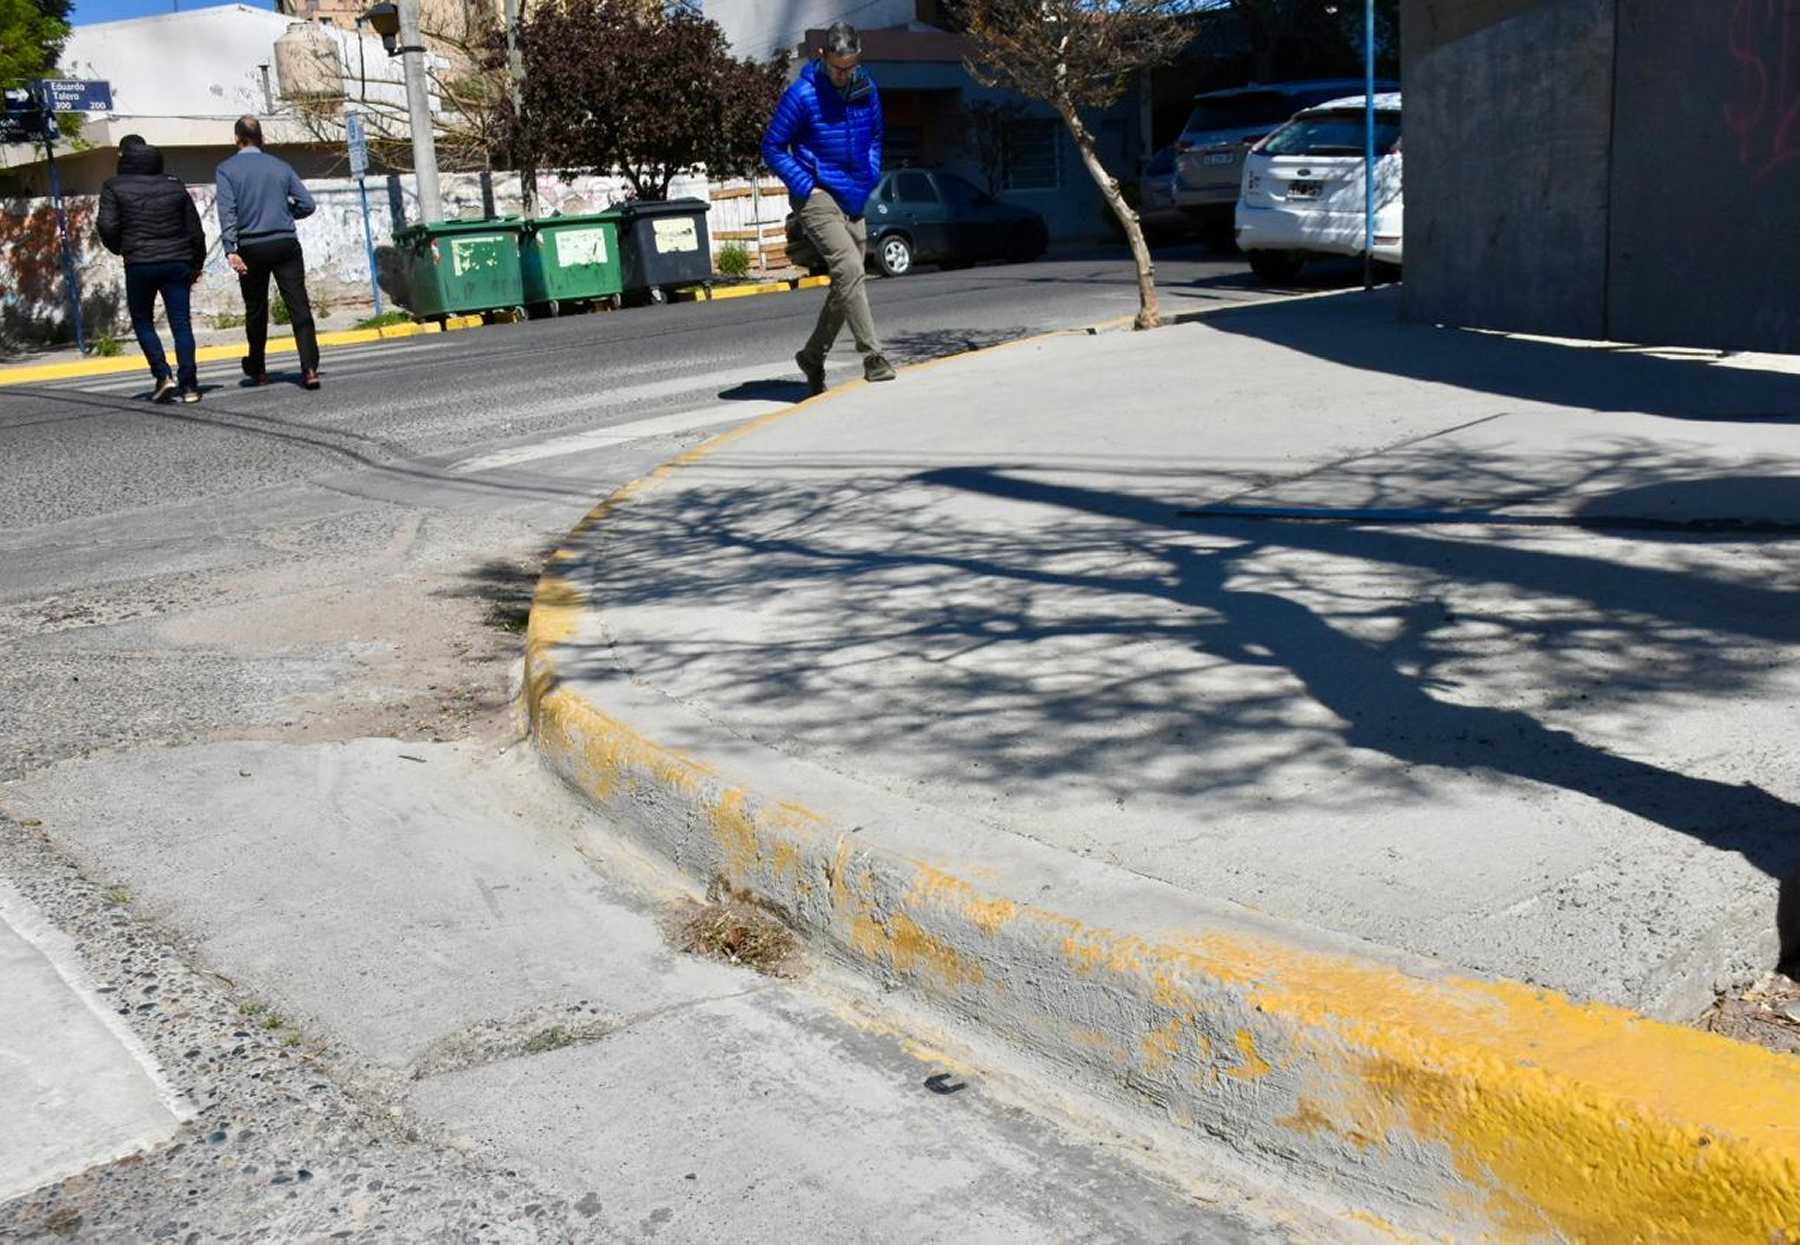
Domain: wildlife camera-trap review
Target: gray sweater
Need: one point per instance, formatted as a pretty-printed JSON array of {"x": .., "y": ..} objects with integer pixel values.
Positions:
[{"x": 260, "y": 197}]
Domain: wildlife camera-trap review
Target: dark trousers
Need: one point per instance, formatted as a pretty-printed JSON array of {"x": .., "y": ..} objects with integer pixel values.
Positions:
[
  {"x": 280, "y": 258},
  {"x": 143, "y": 282}
]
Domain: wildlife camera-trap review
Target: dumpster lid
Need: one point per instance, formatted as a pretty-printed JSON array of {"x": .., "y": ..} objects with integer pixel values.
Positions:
[
  {"x": 662, "y": 207},
  {"x": 610, "y": 216},
  {"x": 438, "y": 228}
]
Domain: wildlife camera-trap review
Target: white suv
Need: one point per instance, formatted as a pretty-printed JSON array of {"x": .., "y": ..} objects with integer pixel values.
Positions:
[
  {"x": 1209, "y": 160},
  {"x": 1303, "y": 188}
]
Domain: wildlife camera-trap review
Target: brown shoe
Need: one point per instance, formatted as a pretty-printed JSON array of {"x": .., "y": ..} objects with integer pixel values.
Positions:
[
  {"x": 258, "y": 377},
  {"x": 309, "y": 380},
  {"x": 876, "y": 368}
]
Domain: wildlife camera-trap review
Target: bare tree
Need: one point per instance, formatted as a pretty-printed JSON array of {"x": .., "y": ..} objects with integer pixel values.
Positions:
[
  {"x": 1078, "y": 55},
  {"x": 468, "y": 76}
]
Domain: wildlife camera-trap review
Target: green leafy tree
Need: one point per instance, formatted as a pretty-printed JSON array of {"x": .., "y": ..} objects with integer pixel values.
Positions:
[
  {"x": 32, "y": 33},
  {"x": 1078, "y": 56},
  {"x": 647, "y": 92}
]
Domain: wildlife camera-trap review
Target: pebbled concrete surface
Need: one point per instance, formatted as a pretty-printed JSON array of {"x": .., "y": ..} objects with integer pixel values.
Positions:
[
  {"x": 504, "y": 1048},
  {"x": 1513, "y": 744}
]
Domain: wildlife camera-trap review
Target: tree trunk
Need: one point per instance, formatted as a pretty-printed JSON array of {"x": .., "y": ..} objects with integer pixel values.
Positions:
[{"x": 1149, "y": 309}]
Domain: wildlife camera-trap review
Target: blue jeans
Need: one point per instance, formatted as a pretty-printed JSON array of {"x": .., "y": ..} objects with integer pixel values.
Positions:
[{"x": 143, "y": 282}]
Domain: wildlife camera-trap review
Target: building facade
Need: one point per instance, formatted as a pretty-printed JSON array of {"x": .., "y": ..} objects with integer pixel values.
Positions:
[{"x": 1614, "y": 169}]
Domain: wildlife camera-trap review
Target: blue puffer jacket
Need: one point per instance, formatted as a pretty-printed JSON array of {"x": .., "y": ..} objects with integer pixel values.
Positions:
[{"x": 819, "y": 139}]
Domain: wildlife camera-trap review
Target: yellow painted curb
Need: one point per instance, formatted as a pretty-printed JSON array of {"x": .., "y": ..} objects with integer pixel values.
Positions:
[
  {"x": 1446, "y": 1104},
  {"x": 28, "y": 374},
  {"x": 700, "y": 294}
]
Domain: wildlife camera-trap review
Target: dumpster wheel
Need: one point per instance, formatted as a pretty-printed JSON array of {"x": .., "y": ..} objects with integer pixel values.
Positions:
[{"x": 658, "y": 295}]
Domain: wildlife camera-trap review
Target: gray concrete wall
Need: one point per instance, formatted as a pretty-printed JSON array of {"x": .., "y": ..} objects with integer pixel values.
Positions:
[
  {"x": 1624, "y": 169},
  {"x": 1507, "y": 130},
  {"x": 1706, "y": 175}
]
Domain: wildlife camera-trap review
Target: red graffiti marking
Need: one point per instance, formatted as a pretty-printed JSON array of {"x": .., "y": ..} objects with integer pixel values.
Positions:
[{"x": 1764, "y": 38}]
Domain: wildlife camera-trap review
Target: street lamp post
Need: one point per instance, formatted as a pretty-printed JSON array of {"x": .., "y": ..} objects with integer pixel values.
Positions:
[{"x": 398, "y": 26}]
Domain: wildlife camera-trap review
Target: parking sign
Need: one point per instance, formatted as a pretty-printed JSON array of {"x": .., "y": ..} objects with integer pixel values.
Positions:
[{"x": 358, "y": 142}]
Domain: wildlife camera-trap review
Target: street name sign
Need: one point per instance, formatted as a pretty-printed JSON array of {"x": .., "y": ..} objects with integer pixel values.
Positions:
[{"x": 75, "y": 94}]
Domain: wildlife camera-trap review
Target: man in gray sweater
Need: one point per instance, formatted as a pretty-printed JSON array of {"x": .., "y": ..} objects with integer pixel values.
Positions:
[{"x": 260, "y": 198}]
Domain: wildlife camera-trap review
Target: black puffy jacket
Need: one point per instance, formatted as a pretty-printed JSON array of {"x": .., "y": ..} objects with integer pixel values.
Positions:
[{"x": 148, "y": 217}]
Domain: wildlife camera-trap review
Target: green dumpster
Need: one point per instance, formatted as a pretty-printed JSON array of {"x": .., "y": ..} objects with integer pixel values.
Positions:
[
  {"x": 566, "y": 260},
  {"x": 456, "y": 267}
]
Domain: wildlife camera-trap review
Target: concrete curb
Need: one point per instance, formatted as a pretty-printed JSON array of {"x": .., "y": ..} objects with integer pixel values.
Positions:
[
  {"x": 36, "y": 373},
  {"x": 1431, "y": 1101},
  {"x": 700, "y": 294}
]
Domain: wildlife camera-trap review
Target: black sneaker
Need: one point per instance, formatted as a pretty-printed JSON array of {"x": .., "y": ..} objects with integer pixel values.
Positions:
[
  {"x": 877, "y": 368},
  {"x": 814, "y": 373},
  {"x": 190, "y": 395},
  {"x": 166, "y": 389}
]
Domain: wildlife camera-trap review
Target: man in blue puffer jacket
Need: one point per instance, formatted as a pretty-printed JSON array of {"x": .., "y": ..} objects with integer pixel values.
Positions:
[{"x": 825, "y": 143}]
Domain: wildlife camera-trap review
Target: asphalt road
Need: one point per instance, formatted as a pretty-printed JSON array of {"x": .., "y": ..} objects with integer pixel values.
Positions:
[
  {"x": 428, "y": 470},
  {"x": 257, "y": 581}
]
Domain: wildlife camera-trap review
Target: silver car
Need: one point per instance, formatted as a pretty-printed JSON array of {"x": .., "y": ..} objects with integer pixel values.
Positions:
[{"x": 1209, "y": 159}]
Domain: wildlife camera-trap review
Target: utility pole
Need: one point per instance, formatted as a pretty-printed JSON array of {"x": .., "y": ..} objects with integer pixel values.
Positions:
[
  {"x": 1368, "y": 144},
  {"x": 515, "y": 72},
  {"x": 418, "y": 107}
]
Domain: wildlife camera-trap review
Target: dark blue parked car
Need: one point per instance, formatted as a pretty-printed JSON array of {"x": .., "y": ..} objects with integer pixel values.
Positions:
[{"x": 918, "y": 216}]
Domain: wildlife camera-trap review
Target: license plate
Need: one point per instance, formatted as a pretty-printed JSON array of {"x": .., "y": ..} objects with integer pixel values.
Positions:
[
  {"x": 1304, "y": 190},
  {"x": 1219, "y": 157}
]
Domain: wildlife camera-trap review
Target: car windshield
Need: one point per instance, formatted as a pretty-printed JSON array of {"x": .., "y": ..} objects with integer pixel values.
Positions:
[
  {"x": 1240, "y": 111},
  {"x": 1332, "y": 134}
]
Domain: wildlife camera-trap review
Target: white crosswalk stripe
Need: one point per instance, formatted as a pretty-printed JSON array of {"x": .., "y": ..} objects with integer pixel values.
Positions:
[{"x": 341, "y": 360}]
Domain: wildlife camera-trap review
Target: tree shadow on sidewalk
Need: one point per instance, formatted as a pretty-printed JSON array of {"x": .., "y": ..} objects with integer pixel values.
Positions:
[
  {"x": 1128, "y": 651},
  {"x": 1389, "y": 711}
]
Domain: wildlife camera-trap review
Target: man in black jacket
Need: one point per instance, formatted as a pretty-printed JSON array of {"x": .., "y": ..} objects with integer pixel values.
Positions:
[{"x": 148, "y": 218}]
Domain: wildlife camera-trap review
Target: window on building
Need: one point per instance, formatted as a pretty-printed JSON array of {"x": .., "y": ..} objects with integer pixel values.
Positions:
[
  {"x": 1032, "y": 149},
  {"x": 901, "y": 145}
]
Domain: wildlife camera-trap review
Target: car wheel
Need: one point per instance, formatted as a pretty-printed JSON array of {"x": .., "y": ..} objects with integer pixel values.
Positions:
[
  {"x": 1026, "y": 244},
  {"x": 1275, "y": 267},
  {"x": 895, "y": 256}
]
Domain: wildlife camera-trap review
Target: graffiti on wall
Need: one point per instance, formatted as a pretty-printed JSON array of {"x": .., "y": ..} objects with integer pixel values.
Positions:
[
  {"x": 1764, "y": 39},
  {"x": 33, "y": 296}
]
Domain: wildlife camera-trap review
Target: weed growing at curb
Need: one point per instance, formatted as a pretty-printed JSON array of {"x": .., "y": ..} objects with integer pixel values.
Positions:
[
  {"x": 120, "y": 895},
  {"x": 736, "y": 932},
  {"x": 384, "y": 320},
  {"x": 108, "y": 347},
  {"x": 228, "y": 320}
]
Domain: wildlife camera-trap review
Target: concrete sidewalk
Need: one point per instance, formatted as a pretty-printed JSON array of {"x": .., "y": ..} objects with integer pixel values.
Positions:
[
  {"x": 1431, "y": 651},
  {"x": 78, "y": 1087}
]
